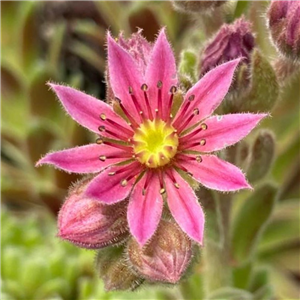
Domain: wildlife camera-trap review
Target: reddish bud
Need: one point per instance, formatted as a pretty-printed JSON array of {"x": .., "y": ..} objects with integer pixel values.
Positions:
[
  {"x": 114, "y": 270},
  {"x": 284, "y": 25},
  {"x": 232, "y": 41},
  {"x": 165, "y": 258},
  {"x": 90, "y": 224}
]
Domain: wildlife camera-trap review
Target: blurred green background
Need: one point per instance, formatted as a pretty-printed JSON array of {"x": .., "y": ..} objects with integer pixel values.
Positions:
[{"x": 64, "y": 41}]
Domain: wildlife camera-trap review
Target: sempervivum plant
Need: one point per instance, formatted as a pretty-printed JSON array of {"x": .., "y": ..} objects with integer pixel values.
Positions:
[{"x": 147, "y": 153}]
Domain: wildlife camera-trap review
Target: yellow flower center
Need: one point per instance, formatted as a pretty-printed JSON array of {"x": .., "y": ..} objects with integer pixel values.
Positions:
[{"x": 155, "y": 143}]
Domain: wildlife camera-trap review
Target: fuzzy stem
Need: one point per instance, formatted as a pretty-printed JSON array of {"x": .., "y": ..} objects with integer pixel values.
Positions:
[{"x": 216, "y": 248}]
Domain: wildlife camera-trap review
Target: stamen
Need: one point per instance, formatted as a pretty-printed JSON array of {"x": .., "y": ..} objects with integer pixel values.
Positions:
[
  {"x": 204, "y": 126},
  {"x": 172, "y": 91},
  {"x": 202, "y": 142},
  {"x": 118, "y": 126},
  {"x": 188, "y": 138},
  {"x": 162, "y": 191},
  {"x": 128, "y": 115},
  {"x": 161, "y": 182},
  {"x": 111, "y": 173},
  {"x": 99, "y": 141},
  {"x": 102, "y": 157},
  {"x": 159, "y": 99},
  {"x": 101, "y": 128},
  {"x": 149, "y": 176},
  {"x": 191, "y": 98},
  {"x": 182, "y": 113},
  {"x": 188, "y": 120},
  {"x": 136, "y": 104},
  {"x": 124, "y": 182},
  {"x": 102, "y": 116},
  {"x": 198, "y": 159},
  {"x": 173, "y": 179},
  {"x": 176, "y": 185},
  {"x": 123, "y": 147},
  {"x": 144, "y": 87}
]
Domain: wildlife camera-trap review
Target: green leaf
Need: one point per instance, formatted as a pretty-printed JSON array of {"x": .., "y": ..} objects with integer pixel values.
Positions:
[
  {"x": 241, "y": 275},
  {"x": 187, "y": 64},
  {"x": 89, "y": 55},
  {"x": 251, "y": 220},
  {"x": 229, "y": 293},
  {"x": 264, "y": 86},
  {"x": 241, "y": 7},
  {"x": 262, "y": 155}
]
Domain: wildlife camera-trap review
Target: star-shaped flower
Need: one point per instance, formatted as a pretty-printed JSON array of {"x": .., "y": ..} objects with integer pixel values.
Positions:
[{"x": 143, "y": 151}]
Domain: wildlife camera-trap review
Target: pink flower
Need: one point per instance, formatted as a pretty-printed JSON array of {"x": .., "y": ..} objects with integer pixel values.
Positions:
[{"x": 142, "y": 155}]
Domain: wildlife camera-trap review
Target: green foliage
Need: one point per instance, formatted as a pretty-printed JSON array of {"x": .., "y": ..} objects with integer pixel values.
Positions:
[{"x": 251, "y": 220}]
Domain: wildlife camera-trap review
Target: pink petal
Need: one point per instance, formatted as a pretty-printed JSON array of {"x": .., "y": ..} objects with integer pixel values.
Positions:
[
  {"x": 124, "y": 74},
  {"x": 85, "y": 109},
  {"x": 108, "y": 188},
  {"x": 223, "y": 131},
  {"x": 217, "y": 174},
  {"x": 185, "y": 208},
  {"x": 162, "y": 67},
  {"x": 84, "y": 159},
  {"x": 144, "y": 210},
  {"x": 208, "y": 93}
]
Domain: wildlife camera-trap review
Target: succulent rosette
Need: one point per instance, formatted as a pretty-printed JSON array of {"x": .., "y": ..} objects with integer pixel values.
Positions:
[{"x": 145, "y": 149}]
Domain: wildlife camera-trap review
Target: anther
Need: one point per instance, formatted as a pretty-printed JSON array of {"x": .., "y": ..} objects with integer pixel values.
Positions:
[
  {"x": 198, "y": 159},
  {"x": 124, "y": 182},
  {"x": 99, "y": 141},
  {"x": 118, "y": 100},
  {"x": 130, "y": 90},
  {"x": 191, "y": 98},
  {"x": 102, "y": 116},
  {"x": 202, "y": 142},
  {"x": 203, "y": 126},
  {"x": 176, "y": 185},
  {"x": 144, "y": 87},
  {"x": 162, "y": 191},
  {"x": 173, "y": 89},
  {"x": 159, "y": 84},
  {"x": 111, "y": 173},
  {"x": 102, "y": 157},
  {"x": 196, "y": 111},
  {"x": 101, "y": 128}
]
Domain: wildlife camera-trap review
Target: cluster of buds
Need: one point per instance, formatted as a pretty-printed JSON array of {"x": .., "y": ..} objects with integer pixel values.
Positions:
[
  {"x": 196, "y": 6},
  {"x": 255, "y": 87},
  {"x": 91, "y": 225},
  {"x": 284, "y": 25},
  {"x": 232, "y": 41}
]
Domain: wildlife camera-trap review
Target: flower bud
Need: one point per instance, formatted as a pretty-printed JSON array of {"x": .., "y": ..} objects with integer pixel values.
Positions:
[
  {"x": 231, "y": 41},
  {"x": 165, "y": 258},
  {"x": 262, "y": 155},
  {"x": 138, "y": 47},
  {"x": 284, "y": 25},
  {"x": 115, "y": 271},
  {"x": 196, "y": 6},
  {"x": 89, "y": 224}
]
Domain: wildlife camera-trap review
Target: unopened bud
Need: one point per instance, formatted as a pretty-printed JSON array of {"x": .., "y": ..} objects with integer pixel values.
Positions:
[
  {"x": 89, "y": 224},
  {"x": 165, "y": 258},
  {"x": 232, "y": 41},
  {"x": 262, "y": 155},
  {"x": 284, "y": 25},
  {"x": 114, "y": 270},
  {"x": 196, "y": 6}
]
